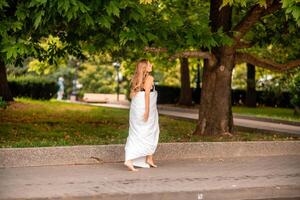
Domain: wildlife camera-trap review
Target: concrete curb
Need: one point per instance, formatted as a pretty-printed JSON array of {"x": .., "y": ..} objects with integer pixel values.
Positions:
[{"x": 93, "y": 154}]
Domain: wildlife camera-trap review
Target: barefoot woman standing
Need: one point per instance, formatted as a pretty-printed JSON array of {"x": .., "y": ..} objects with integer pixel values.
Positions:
[{"x": 143, "y": 119}]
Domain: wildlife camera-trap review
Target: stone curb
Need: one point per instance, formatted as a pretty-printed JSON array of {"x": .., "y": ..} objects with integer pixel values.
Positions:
[{"x": 95, "y": 154}]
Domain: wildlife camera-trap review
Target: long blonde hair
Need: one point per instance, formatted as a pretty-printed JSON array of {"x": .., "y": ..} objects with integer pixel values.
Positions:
[{"x": 139, "y": 77}]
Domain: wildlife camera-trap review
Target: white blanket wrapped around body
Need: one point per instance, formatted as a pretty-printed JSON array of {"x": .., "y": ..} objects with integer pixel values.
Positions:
[{"x": 143, "y": 136}]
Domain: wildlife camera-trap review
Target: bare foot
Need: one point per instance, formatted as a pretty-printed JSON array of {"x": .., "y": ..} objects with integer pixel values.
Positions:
[
  {"x": 130, "y": 166},
  {"x": 150, "y": 162}
]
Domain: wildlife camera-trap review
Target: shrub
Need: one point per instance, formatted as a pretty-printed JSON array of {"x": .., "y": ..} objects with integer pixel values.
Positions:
[
  {"x": 33, "y": 87},
  {"x": 3, "y": 103},
  {"x": 295, "y": 91}
]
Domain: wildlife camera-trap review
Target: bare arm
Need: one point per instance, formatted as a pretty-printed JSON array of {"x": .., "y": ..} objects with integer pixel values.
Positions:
[{"x": 148, "y": 84}]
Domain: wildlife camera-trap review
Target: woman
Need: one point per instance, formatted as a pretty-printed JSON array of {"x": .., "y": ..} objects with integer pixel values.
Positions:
[{"x": 143, "y": 119}]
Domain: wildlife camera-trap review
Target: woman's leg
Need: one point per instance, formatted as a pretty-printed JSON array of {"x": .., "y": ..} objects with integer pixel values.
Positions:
[
  {"x": 130, "y": 166},
  {"x": 149, "y": 160}
]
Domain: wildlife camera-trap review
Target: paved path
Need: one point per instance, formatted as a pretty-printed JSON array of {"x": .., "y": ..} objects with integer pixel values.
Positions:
[
  {"x": 251, "y": 123},
  {"x": 248, "y": 123},
  {"x": 193, "y": 179}
]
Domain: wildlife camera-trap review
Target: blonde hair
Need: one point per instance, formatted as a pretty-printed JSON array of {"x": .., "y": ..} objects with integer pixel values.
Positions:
[{"x": 139, "y": 77}]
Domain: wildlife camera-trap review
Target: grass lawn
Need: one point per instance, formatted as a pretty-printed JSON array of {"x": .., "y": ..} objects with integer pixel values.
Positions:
[
  {"x": 268, "y": 112},
  {"x": 31, "y": 123}
]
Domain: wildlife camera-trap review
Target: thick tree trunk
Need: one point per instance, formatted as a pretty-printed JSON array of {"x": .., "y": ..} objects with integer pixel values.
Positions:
[
  {"x": 185, "y": 92},
  {"x": 251, "y": 92},
  {"x": 4, "y": 89},
  {"x": 215, "y": 114}
]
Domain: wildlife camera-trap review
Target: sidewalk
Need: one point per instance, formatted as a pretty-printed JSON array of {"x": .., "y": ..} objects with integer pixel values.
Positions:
[
  {"x": 241, "y": 122},
  {"x": 193, "y": 179}
]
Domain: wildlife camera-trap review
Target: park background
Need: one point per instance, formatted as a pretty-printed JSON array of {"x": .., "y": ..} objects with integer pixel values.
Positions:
[{"x": 254, "y": 54}]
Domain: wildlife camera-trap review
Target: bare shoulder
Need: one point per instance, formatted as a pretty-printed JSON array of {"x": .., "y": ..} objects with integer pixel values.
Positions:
[{"x": 149, "y": 82}]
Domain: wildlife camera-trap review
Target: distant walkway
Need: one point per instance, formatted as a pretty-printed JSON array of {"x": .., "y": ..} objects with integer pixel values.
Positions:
[
  {"x": 240, "y": 121},
  {"x": 267, "y": 177}
]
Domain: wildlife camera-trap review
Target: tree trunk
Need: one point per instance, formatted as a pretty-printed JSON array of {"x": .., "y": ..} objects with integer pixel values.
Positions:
[
  {"x": 215, "y": 114},
  {"x": 185, "y": 92},
  {"x": 251, "y": 92},
  {"x": 4, "y": 88}
]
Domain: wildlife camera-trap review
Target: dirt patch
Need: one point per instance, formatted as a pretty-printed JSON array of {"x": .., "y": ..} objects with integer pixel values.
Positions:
[{"x": 21, "y": 106}]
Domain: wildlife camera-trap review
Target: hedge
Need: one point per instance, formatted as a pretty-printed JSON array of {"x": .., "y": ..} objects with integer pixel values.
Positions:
[{"x": 32, "y": 87}]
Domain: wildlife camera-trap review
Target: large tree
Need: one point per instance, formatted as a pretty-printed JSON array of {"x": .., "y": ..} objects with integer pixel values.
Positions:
[
  {"x": 232, "y": 40},
  {"x": 23, "y": 23},
  {"x": 215, "y": 114},
  {"x": 116, "y": 27},
  {"x": 216, "y": 31}
]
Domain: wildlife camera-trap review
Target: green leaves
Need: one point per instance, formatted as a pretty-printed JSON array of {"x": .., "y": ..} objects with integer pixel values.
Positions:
[
  {"x": 295, "y": 90},
  {"x": 11, "y": 52},
  {"x": 105, "y": 22},
  {"x": 127, "y": 35},
  {"x": 38, "y": 18},
  {"x": 12, "y": 48},
  {"x": 3, "y": 3},
  {"x": 35, "y": 3},
  {"x": 113, "y": 8},
  {"x": 21, "y": 12},
  {"x": 64, "y": 5},
  {"x": 292, "y": 7},
  {"x": 71, "y": 8},
  {"x": 243, "y": 3},
  {"x": 16, "y": 25},
  {"x": 151, "y": 37}
]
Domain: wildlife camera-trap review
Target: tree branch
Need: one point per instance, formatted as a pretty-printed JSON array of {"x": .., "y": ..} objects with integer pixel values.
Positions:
[
  {"x": 194, "y": 54},
  {"x": 255, "y": 13},
  {"x": 155, "y": 49},
  {"x": 265, "y": 63},
  {"x": 242, "y": 45},
  {"x": 184, "y": 54}
]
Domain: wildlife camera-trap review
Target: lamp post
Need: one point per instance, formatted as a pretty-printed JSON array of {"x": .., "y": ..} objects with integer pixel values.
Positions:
[{"x": 117, "y": 67}]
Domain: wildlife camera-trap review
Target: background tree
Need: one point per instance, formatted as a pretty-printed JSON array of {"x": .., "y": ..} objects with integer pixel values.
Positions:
[
  {"x": 23, "y": 23},
  {"x": 216, "y": 90}
]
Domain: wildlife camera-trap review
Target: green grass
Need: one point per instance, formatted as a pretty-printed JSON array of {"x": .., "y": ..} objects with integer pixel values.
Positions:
[
  {"x": 32, "y": 123},
  {"x": 268, "y": 112}
]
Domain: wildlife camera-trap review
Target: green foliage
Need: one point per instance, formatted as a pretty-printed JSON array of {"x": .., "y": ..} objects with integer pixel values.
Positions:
[
  {"x": 50, "y": 30},
  {"x": 243, "y": 3},
  {"x": 3, "y": 103},
  {"x": 276, "y": 38},
  {"x": 99, "y": 79},
  {"x": 295, "y": 90},
  {"x": 23, "y": 23},
  {"x": 292, "y": 8},
  {"x": 33, "y": 87},
  {"x": 239, "y": 77},
  {"x": 98, "y": 75}
]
